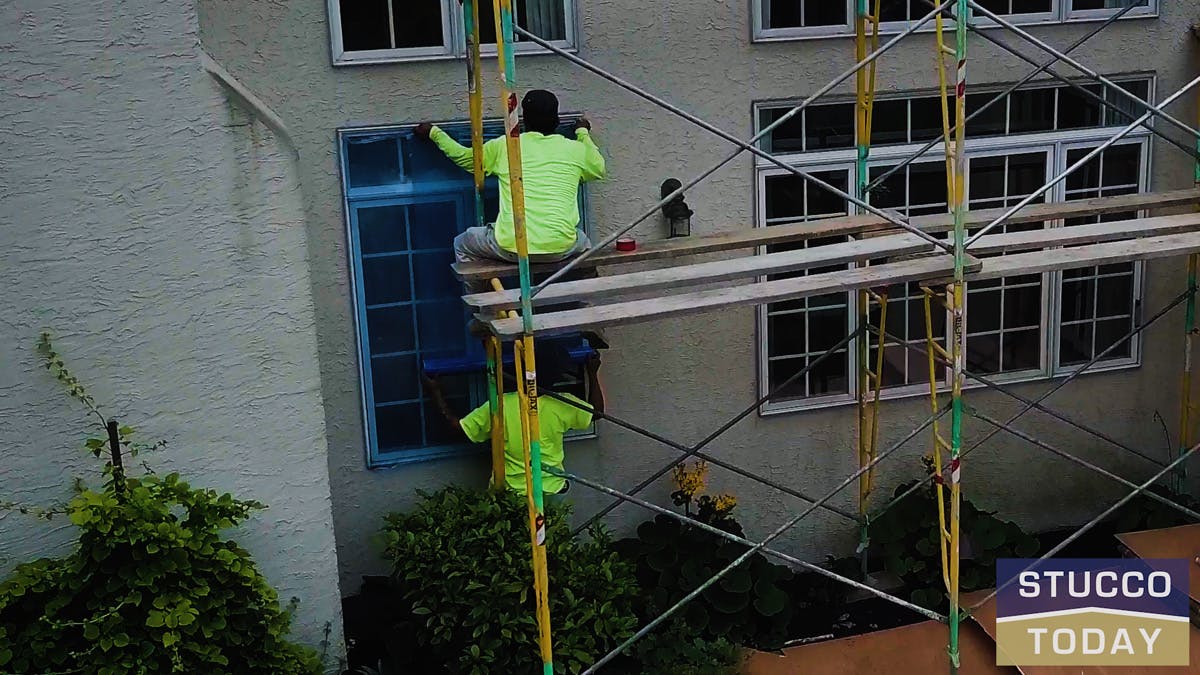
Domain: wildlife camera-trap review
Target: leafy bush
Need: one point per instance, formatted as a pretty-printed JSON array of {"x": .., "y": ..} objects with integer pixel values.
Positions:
[
  {"x": 676, "y": 649},
  {"x": 152, "y": 586},
  {"x": 906, "y": 537},
  {"x": 748, "y": 606},
  {"x": 461, "y": 561},
  {"x": 1144, "y": 513}
]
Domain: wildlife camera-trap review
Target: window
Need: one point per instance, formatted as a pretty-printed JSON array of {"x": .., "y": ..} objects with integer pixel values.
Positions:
[
  {"x": 1099, "y": 304},
  {"x": 1017, "y": 328},
  {"x": 405, "y": 204},
  {"x": 374, "y": 31},
  {"x": 792, "y": 19}
]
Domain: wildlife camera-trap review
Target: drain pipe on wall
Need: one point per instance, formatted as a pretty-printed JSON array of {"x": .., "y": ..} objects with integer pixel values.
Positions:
[{"x": 249, "y": 100}]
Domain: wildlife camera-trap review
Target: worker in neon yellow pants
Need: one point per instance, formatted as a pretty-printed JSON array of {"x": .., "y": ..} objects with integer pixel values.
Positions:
[
  {"x": 553, "y": 167},
  {"x": 555, "y": 418}
]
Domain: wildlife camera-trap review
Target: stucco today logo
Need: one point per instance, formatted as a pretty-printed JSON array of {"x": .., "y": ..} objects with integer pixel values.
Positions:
[{"x": 1092, "y": 612}]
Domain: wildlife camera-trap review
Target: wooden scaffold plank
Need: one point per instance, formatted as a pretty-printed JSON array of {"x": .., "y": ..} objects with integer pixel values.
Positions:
[{"x": 841, "y": 226}]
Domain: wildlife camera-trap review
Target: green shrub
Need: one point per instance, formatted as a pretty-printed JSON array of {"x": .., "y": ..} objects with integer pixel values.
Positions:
[
  {"x": 676, "y": 649},
  {"x": 152, "y": 586},
  {"x": 906, "y": 538},
  {"x": 461, "y": 560},
  {"x": 748, "y": 606}
]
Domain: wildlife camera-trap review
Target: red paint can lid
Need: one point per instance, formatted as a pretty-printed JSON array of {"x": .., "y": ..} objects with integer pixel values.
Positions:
[{"x": 626, "y": 244}]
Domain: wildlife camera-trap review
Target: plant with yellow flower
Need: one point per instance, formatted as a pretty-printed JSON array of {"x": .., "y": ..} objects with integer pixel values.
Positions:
[{"x": 690, "y": 481}]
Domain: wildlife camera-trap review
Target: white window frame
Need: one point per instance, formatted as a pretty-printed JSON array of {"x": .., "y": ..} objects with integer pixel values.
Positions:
[
  {"x": 1061, "y": 12},
  {"x": 1056, "y": 144},
  {"x": 761, "y": 318},
  {"x": 453, "y": 39},
  {"x": 1139, "y": 269}
]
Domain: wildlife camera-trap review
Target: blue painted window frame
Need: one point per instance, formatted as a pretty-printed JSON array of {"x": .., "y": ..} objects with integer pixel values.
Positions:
[{"x": 451, "y": 185}]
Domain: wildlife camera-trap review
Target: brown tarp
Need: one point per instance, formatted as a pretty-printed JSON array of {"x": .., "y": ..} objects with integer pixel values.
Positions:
[
  {"x": 918, "y": 649},
  {"x": 1172, "y": 542},
  {"x": 986, "y": 617}
]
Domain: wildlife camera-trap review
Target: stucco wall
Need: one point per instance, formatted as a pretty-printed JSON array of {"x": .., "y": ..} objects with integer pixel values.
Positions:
[
  {"x": 682, "y": 377},
  {"x": 157, "y": 230}
]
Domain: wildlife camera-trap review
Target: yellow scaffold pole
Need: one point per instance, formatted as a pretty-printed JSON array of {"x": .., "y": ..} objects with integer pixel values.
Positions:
[
  {"x": 1186, "y": 436},
  {"x": 492, "y": 344},
  {"x": 870, "y": 381},
  {"x": 957, "y": 316},
  {"x": 524, "y": 357}
]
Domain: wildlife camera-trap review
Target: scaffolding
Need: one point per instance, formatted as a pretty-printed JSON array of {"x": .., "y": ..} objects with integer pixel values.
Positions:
[{"x": 884, "y": 249}]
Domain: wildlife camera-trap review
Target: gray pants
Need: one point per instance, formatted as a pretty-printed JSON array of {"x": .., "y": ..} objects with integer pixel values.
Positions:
[{"x": 479, "y": 243}]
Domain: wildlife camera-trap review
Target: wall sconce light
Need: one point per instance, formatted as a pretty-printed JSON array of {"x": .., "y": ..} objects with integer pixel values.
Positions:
[{"x": 676, "y": 211}]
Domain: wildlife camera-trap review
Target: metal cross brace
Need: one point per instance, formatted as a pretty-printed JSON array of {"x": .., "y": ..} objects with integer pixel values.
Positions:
[{"x": 749, "y": 145}]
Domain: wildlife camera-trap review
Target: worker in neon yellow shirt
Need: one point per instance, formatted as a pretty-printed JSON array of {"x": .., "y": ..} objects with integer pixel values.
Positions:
[
  {"x": 555, "y": 418},
  {"x": 553, "y": 167}
]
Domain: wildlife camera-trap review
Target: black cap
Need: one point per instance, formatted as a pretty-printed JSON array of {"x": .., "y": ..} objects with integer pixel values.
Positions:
[
  {"x": 540, "y": 102},
  {"x": 540, "y": 109}
]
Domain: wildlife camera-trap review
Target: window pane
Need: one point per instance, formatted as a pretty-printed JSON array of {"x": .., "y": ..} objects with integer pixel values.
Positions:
[
  {"x": 1114, "y": 295},
  {"x": 927, "y": 118},
  {"x": 1121, "y": 165},
  {"x": 829, "y": 126},
  {"x": 434, "y": 224},
  {"x": 395, "y": 378},
  {"x": 434, "y": 278},
  {"x": 1078, "y": 5},
  {"x": 418, "y": 23},
  {"x": 889, "y": 123},
  {"x": 441, "y": 326},
  {"x": 801, "y": 13},
  {"x": 787, "y": 137},
  {"x": 780, "y": 371},
  {"x": 1031, "y": 6},
  {"x": 990, "y": 122},
  {"x": 544, "y": 18},
  {"x": 786, "y": 333},
  {"x": 1109, "y": 333},
  {"x": 386, "y": 280},
  {"x": 1022, "y": 350},
  {"x": 364, "y": 25},
  {"x": 1078, "y": 111},
  {"x": 1031, "y": 110},
  {"x": 829, "y": 376},
  {"x": 784, "y": 196},
  {"x": 372, "y": 161},
  {"x": 391, "y": 329},
  {"x": 1078, "y": 298},
  {"x": 381, "y": 229},
  {"x": 1075, "y": 344},
  {"x": 398, "y": 426},
  {"x": 1130, "y": 108}
]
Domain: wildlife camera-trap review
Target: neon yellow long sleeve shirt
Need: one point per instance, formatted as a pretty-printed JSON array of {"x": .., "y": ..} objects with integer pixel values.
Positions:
[{"x": 553, "y": 168}]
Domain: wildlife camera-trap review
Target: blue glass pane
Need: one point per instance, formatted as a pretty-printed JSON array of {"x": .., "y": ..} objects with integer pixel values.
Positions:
[
  {"x": 428, "y": 164},
  {"x": 442, "y": 326},
  {"x": 435, "y": 279},
  {"x": 394, "y": 378},
  {"x": 438, "y": 429},
  {"x": 386, "y": 280},
  {"x": 434, "y": 224},
  {"x": 398, "y": 426},
  {"x": 373, "y": 161},
  {"x": 381, "y": 229},
  {"x": 391, "y": 329}
]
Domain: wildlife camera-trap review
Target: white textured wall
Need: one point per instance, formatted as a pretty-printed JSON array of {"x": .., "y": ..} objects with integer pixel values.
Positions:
[
  {"x": 157, "y": 231},
  {"x": 684, "y": 376}
]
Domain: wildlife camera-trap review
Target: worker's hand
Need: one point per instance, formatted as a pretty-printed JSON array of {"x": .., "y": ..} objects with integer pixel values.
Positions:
[
  {"x": 583, "y": 123},
  {"x": 423, "y": 130}
]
